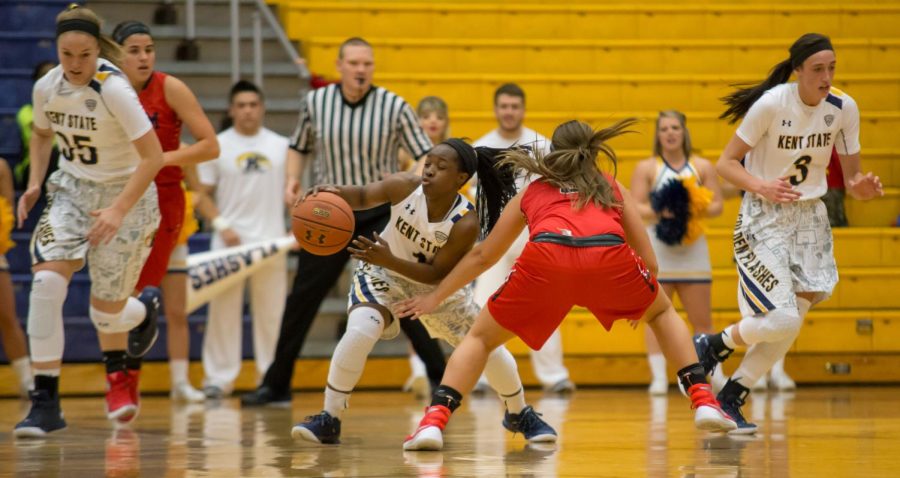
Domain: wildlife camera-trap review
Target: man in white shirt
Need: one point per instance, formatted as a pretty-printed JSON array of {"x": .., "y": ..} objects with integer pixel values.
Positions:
[
  {"x": 243, "y": 198},
  {"x": 509, "y": 108}
]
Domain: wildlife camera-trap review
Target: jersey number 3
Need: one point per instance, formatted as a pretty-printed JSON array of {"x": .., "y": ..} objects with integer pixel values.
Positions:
[
  {"x": 801, "y": 165},
  {"x": 80, "y": 146}
]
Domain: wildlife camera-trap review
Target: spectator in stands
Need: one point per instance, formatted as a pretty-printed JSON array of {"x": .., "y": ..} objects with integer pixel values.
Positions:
[
  {"x": 684, "y": 266},
  {"x": 372, "y": 124},
  {"x": 434, "y": 118},
  {"x": 23, "y": 118},
  {"x": 245, "y": 184},
  {"x": 169, "y": 104},
  {"x": 10, "y": 328},
  {"x": 509, "y": 109}
]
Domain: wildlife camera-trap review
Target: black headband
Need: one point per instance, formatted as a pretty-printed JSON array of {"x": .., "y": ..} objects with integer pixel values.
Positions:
[
  {"x": 800, "y": 54},
  {"x": 466, "y": 153},
  {"x": 78, "y": 25},
  {"x": 126, "y": 29}
]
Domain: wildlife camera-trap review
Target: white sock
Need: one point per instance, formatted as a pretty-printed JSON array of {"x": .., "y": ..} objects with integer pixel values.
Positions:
[
  {"x": 364, "y": 328},
  {"x": 178, "y": 371},
  {"x": 22, "y": 367},
  {"x": 503, "y": 376},
  {"x": 47, "y": 372},
  {"x": 336, "y": 402},
  {"x": 657, "y": 366},
  {"x": 727, "y": 337}
]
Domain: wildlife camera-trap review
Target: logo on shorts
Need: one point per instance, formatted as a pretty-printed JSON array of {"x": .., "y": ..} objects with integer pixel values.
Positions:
[
  {"x": 90, "y": 103},
  {"x": 829, "y": 119},
  {"x": 441, "y": 236},
  {"x": 323, "y": 213},
  {"x": 786, "y": 123}
]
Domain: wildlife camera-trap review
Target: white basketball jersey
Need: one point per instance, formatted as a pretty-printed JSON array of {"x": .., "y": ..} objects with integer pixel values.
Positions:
[
  {"x": 94, "y": 124},
  {"x": 665, "y": 173},
  {"x": 411, "y": 236},
  {"x": 793, "y": 140}
]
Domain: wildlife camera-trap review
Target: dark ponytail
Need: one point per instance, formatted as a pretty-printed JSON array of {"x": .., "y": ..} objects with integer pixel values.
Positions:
[
  {"x": 741, "y": 100},
  {"x": 496, "y": 183},
  {"x": 496, "y": 187}
]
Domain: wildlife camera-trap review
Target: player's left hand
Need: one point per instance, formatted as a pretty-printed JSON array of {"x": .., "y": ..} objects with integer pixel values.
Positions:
[
  {"x": 106, "y": 223},
  {"x": 415, "y": 307},
  {"x": 864, "y": 187},
  {"x": 376, "y": 252}
]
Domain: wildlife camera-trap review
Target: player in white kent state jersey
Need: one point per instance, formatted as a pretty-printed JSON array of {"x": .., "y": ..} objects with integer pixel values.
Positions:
[
  {"x": 101, "y": 209},
  {"x": 431, "y": 227},
  {"x": 782, "y": 240}
]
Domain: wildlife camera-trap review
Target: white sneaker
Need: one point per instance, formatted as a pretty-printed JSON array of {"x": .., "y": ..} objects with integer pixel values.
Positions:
[
  {"x": 418, "y": 385},
  {"x": 184, "y": 392},
  {"x": 659, "y": 386},
  {"x": 426, "y": 438},
  {"x": 782, "y": 381}
]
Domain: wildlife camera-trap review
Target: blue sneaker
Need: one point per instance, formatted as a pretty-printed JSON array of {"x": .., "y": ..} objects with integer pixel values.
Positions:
[
  {"x": 708, "y": 357},
  {"x": 530, "y": 424},
  {"x": 731, "y": 399},
  {"x": 142, "y": 337},
  {"x": 44, "y": 417},
  {"x": 321, "y": 428}
]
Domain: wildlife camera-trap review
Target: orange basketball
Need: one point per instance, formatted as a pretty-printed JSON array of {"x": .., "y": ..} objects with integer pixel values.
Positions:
[{"x": 323, "y": 224}]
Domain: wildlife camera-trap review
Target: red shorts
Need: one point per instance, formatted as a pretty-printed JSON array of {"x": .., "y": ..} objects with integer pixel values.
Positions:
[
  {"x": 547, "y": 280},
  {"x": 171, "y": 209}
]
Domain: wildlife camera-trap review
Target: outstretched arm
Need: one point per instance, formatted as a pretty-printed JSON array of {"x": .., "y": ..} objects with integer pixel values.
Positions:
[{"x": 478, "y": 260}]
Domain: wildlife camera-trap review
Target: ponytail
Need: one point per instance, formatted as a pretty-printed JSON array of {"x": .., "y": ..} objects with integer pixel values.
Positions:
[
  {"x": 496, "y": 183},
  {"x": 741, "y": 100},
  {"x": 572, "y": 162}
]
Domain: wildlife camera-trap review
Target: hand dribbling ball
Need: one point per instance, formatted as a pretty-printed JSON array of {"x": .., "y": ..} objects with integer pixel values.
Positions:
[{"x": 323, "y": 223}]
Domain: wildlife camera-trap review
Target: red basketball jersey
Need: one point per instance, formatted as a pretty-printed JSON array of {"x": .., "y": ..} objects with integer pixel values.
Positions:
[
  {"x": 166, "y": 123},
  {"x": 550, "y": 209}
]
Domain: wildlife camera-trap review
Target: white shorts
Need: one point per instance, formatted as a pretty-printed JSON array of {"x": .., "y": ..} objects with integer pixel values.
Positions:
[
  {"x": 780, "y": 250},
  {"x": 178, "y": 260},
  {"x": 61, "y": 233},
  {"x": 451, "y": 321},
  {"x": 681, "y": 263}
]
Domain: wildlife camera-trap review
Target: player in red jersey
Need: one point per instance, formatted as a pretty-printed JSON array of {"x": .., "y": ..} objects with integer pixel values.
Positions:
[
  {"x": 169, "y": 103},
  {"x": 586, "y": 246}
]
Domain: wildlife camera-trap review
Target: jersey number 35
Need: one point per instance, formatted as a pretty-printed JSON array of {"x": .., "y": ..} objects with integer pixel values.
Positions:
[{"x": 80, "y": 146}]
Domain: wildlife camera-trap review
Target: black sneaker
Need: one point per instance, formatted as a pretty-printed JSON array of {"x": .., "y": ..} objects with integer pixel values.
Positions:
[
  {"x": 530, "y": 424},
  {"x": 266, "y": 397},
  {"x": 142, "y": 337},
  {"x": 45, "y": 416},
  {"x": 321, "y": 428},
  {"x": 706, "y": 355},
  {"x": 731, "y": 399}
]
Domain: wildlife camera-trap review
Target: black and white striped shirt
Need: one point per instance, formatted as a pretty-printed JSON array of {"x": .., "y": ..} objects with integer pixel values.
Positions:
[{"x": 355, "y": 144}]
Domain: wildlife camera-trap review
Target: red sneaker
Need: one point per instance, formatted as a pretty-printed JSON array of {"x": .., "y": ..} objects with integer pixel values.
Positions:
[
  {"x": 120, "y": 406},
  {"x": 709, "y": 414},
  {"x": 134, "y": 379},
  {"x": 429, "y": 435}
]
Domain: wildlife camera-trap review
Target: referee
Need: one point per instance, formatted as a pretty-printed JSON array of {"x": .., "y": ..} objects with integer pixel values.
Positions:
[{"x": 351, "y": 132}]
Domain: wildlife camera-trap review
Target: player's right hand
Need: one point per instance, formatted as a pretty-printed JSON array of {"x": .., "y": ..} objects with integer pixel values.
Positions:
[
  {"x": 322, "y": 188},
  {"x": 415, "y": 307},
  {"x": 778, "y": 191},
  {"x": 26, "y": 202},
  {"x": 230, "y": 237}
]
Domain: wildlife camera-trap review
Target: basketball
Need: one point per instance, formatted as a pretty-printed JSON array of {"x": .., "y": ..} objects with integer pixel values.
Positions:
[{"x": 323, "y": 223}]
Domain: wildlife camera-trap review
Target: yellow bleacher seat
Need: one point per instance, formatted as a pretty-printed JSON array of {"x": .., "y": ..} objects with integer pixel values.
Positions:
[
  {"x": 604, "y": 92},
  {"x": 521, "y": 20},
  {"x": 639, "y": 56}
]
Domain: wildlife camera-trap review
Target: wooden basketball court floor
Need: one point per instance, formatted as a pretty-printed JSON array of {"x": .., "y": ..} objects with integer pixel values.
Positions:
[{"x": 816, "y": 431}]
